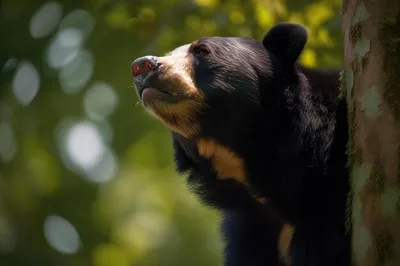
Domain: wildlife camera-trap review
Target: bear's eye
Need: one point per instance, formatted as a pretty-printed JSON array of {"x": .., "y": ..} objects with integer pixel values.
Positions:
[{"x": 200, "y": 50}]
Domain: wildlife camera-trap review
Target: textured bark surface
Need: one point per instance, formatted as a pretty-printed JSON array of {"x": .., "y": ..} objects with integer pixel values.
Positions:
[{"x": 371, "y": 80}]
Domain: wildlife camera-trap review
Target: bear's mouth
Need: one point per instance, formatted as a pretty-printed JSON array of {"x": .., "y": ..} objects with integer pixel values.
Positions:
[
  {"x": 150, "y": 88},
  {"x": 148, "y": 94}
]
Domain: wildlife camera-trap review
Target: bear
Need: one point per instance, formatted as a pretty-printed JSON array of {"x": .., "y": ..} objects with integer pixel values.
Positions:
[{"x": 260, "y": 137}]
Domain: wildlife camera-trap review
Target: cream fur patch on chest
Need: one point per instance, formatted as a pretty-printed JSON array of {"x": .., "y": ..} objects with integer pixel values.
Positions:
[
  {"x": 285, "y": 240},
  {"x": 226, "y": 163}
]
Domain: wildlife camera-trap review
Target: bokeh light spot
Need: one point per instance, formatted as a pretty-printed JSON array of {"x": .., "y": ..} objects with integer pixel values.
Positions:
[
  {"x": 45, "y": 20},
  {"x": 61, "y": 235},
  {"x": 64, "y": 47},
  {"x": 74, "y": 76},
  {"x": 84, "y": 150},
  {"x": 10, "y": 64},
  {"x": 105, "y": 170},
  {"x": 79, "y": 19},
  {"x": 106, "y": 129},
  {"x": 84, "y": 145},
  {"x": 100, "y": 101},
  {"x": 26, "y": 83}
]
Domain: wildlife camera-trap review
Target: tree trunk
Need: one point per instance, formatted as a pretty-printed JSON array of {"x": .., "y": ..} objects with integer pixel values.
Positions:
[{"x": 371, "y": 81}]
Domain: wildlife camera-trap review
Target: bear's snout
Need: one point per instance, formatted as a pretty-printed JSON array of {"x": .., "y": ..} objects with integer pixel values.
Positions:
[{"x": 145, "y": 66}]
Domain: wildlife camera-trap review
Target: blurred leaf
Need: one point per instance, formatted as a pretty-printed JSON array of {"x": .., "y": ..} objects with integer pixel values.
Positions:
[
  {"x": 110, "y": 254},
  {"x": 207, "y": 3},
  {"x": 318, "y": 13},
  {"x": 308, "y": 58},
  {"x": 117, "y": 17},
  {"x": 265, "y": 17},
  {"x": 42, "y": 167}
]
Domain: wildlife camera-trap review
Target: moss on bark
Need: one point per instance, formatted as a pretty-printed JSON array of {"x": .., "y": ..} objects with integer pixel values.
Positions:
[
  {"x": 376, "y": 183},
  {"x": 389, "y": 36},
  {"x": 383, "y": 241}
]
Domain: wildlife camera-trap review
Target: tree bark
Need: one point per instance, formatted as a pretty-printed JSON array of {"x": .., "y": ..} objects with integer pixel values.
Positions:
[{"x": 371, "y": 83}]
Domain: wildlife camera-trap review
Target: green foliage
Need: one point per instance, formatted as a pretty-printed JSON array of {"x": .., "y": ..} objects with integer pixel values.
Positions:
[{"x": 131, "y": 208}]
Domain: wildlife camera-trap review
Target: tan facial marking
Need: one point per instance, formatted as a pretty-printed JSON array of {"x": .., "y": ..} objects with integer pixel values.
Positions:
[
  {"x": 226, "y": 163},
  {"x": 262, "y": 200},
  {"x": 178, "y": 117},
  {"x": 285, "y": 239},
  {"x": 177, "y": 75},
  {"x": 178, "y": 72}
]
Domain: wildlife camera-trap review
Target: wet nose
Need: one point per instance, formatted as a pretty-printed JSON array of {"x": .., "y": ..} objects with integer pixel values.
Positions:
[{"x": 145, "y": 66}]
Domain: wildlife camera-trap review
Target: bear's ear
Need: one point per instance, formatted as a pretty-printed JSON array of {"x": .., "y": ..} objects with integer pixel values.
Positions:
[{"x": 286, "y": 41}]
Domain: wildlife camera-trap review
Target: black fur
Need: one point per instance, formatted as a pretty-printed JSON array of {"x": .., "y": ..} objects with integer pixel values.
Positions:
[{"x": 288, "y": 124}]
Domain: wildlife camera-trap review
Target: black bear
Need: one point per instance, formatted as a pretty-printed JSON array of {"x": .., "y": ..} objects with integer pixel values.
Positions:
[{"x": 263, "y": 139}]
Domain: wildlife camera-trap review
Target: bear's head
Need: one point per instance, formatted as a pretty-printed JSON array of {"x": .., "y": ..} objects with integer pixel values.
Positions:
[{"x": 215, "y": 84}]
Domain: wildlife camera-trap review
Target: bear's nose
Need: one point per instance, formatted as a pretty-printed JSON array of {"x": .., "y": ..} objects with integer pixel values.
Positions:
[{"x": 145, "y": 66}]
